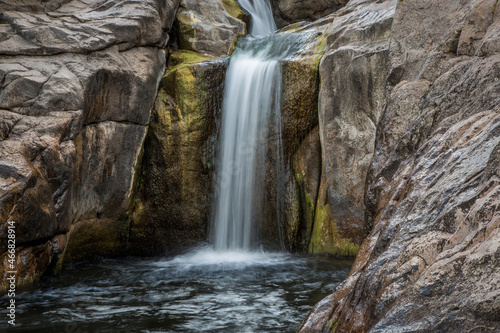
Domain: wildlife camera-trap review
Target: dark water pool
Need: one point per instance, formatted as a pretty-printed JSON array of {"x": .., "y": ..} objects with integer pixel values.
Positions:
[{"x": 203, "y": 291}]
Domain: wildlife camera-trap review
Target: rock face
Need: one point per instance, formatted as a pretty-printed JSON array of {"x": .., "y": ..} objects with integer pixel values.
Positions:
[
  {"x": 430, "y": 262},
  {"x": 176, "y": 184},
  {"x": 171, "y": 211},
  {"x": 327, "y": 214},
  {"x": 78, "y": 80},
  {"x": 352, "y": 74},
  {"x": 291, "y": 11}
]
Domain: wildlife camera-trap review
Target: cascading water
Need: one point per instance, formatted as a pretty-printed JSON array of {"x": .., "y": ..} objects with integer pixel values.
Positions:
[
  {"x": 252, "y": 91},
  {"x": 251, "y": 98}
]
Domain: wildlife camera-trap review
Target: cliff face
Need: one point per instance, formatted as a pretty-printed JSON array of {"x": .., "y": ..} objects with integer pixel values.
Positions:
[
  {"x": 78, "y": 80},
  {"x": 430, "y": 262}
]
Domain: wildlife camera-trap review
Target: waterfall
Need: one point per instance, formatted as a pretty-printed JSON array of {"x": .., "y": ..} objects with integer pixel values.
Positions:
[
  {"x": 251, "y": 92},
  {"x": 261, "y": 16},
  {"x": 250, "y": 115}
]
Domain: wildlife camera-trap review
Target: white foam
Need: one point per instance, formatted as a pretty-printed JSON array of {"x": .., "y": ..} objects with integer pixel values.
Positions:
[{"x": 207, "y": 256}]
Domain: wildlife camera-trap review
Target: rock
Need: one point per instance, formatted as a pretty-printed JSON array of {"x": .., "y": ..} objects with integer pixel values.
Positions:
[
  {"x": 355, "y": 46},
  {"x": 32, "y": 261},
  {"x": 173, "y": 209},
  {"x": 282, "y": 224},
  {"x": 209, "y": 27},
  {"x": 307, "y": 167},
  {"x": 351, "y": 99},
  {"x": 96, "y": 238},
  {"x": 430, "y": 262},
  {"x": 290, "y": 11},
  {"x": 78, "y": 81},
  {"x": 34, "y": 28}
]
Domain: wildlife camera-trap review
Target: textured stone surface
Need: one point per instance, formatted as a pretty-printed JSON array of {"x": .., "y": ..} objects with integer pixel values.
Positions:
[
  {"x": 40, "y": 28},
  {"x": 209, "y": 27},
  {"x": 353, "y": 73},
  {"x": 78, "y": 80},
  {"x": 430, "y": 262},
  {"x": 171, "y": 209},
  {"x": 291, "y": 11},
  {"x": 348, "y": 101}
]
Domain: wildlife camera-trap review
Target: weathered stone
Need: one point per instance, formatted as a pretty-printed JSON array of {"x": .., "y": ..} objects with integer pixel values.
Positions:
[
  {"x": 32, "y": 261},
  {"x": 209, "y": 27},
  {"x": 430, "y": 262},
  {"x": 353, "y": 74},
  {"x": 78, "y": 80},
  {"x": 35, "y": 28},
  {"x": 95, "y": 238},
  {"x": 291, "y": 11}
]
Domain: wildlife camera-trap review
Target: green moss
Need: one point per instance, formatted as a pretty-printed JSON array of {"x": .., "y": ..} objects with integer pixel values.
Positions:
[
  {"x": 184, "y": 58},
  {"x": 332, "y": 324},
  {"x": 325, "y": 238},
  {"x": 235, "y": 10},
  {"x": 93, "y": 238},
  {"x": 235, "y": 42},
  {"x": 182, "y": 85}
]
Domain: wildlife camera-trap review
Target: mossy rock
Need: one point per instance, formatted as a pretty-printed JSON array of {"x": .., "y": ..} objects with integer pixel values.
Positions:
[
  {"x": 96, "y": 238},
  {"x": 325, "y": 238},
  {"x": 234, "y": 9}
]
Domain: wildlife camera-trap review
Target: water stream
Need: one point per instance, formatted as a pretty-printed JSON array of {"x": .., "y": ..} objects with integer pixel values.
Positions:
[
  {"x": 250, "y": 116},
  {"x": 203, "y": 292},
  {"x": 251, "y": 96}
]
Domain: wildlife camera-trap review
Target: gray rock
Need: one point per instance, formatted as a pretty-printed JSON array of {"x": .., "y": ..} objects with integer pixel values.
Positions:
[
  {"x": 291, "y": 11},
  {"x": 351, "y": 99},
  {"x": 430, "y": 262},
  {"x": 77, "y": 83},
  {"x": 33, "y": 28},
  {"x": 208, "y": 28}
]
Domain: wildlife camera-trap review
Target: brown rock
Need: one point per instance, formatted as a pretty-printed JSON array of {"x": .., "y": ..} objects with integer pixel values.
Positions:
[{"x": 173, "y": 208}]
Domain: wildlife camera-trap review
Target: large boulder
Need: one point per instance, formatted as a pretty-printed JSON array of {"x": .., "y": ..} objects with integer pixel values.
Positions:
[
  {"x": 78, "y": 81},
  {"x": 324, "y": 206},
  {"x": 430, "y": 262},
  {"x": 209, "y": 27}
]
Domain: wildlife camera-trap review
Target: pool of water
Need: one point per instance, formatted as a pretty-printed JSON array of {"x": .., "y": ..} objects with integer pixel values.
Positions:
[{"x": 204, "y": 291}]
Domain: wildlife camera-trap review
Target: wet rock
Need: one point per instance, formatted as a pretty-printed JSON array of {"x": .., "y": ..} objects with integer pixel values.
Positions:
[
  {"x": 430, "y": 261},
  {"x": 32, "y": 261},
  {"x": 283, "y": 223},
  {"x": 37, "y": 28}
]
